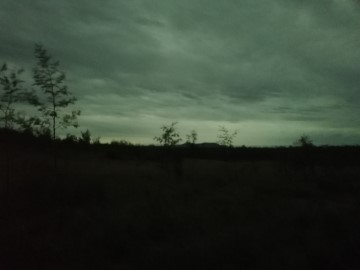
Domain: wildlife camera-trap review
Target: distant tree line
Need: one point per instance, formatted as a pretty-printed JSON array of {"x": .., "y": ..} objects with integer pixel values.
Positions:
[{"x": 171, "y": 137}]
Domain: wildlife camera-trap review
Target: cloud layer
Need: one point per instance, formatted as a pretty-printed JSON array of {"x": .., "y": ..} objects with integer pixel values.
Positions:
[{"x": 271, "y": 69}]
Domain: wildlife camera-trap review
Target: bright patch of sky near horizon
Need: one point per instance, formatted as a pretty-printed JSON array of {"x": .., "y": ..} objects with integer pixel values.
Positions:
[{"x": 272, "y": 70}]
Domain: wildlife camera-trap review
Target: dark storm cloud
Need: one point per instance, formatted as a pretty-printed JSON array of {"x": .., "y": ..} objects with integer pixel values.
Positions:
[{"x": 218, "y": 61}]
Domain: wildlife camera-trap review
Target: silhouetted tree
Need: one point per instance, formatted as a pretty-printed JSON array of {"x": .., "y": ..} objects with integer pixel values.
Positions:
[
  {"x": 85, "y": 137},
  {"x": 169, "y": 136},
  {"x": 225, "y": 138},
  {"x": 71, "y": 138},
  {"x": 304, "y": 141},
  {"x": 192, "y": 137},
  {"x": 12, "y": 92},
  {"x": 56, "y": 96},
  {"x": 96, "y": 141}
]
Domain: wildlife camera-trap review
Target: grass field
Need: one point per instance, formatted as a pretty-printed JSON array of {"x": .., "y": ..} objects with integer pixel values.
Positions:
[{"x": 101, "y": 212}]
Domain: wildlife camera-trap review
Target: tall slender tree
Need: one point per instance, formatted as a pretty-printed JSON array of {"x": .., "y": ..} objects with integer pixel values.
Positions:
[{"x": 55, "y": 94}]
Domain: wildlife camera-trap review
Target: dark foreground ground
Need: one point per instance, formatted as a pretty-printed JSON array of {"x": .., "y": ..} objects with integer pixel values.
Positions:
[{"x": 106, "y": 212}]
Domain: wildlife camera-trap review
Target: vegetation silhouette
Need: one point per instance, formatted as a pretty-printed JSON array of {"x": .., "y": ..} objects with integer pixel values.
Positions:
[
  {"x": 169, "y": 136},
  {"x": 304, "y": 141},
  {"x": 12, "y": 92},
  {"x": 85, "y": 137},
  {"x": 225, "y": 137},
  {"x": 50, "y": 97},
  {"x": 192, "y": 138},
  {"x": 54, "y": 97},
  {"x": 55, "y": 94}
]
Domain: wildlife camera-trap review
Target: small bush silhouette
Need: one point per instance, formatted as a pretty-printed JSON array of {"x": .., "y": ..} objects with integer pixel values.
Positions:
[
  {"x": 70, "y": 138},
  {"x": 225, "y": 138},
  {"x": 304, "y": 141},
  {"x": 85, "y": 137},
  {"x": 170, "y": 136},
  {"x": 192, "y": 137}
]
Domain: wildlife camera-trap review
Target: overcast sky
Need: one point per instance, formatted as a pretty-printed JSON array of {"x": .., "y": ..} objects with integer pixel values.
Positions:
[{"x": 272, "y": 70}]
